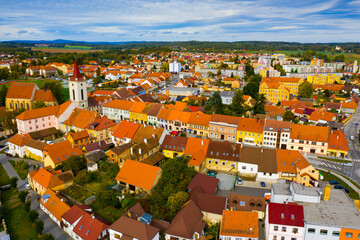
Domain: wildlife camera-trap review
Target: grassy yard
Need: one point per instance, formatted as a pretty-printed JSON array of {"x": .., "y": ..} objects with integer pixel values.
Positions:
[
  {"x": 39, "y": 82},
  {"x": 328, "y": 176},
  {"x": 77, "y": 193},
  {"x": 22, "y": 168},
  {"x": 335, "y": 159},
  {"x": 17, "y": 219},
  {"x": 108, "y": 212},
  {"x": 101, "y": 182},
  {"x": 4, "y": 177}
]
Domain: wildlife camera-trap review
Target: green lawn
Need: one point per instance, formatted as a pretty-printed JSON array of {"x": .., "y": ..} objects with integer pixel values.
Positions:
[
  {"x": 17, "y": 219},
  {"x": 66, "y": 94},
  {"x": 22, "y": 171},
  {"x": 335, "y": 159},
  {"x": 101, "y": 182},
  {"x": 39, "y": 82},
  {"x": 328, "y": 176},
  {"x": 4, "y": 177},
  {"x": 109, "y": 212},
  {"x": 77, "y": 193}
]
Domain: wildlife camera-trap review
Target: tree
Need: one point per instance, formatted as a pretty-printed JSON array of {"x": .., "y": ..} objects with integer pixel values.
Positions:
[
  {"x": 251, "y": 89},
  {"x": 83, "y": 177},
  {"x": 27, "y": 205},
  {"x": 22, "y": 196},
  {"x": 4, "y": 73},
  {"x": 218, "y": 72},
  {"x": 39, "y": 227},
  {"x": 305, "y": 90},
  {"x": 177, "y": 200},
  {"x": 232, "y": 75},
  {"x": 327, "y": 93},
  {"x": 33, "y": 215},
  {"x": 3, "y": 92},
  {"x": 57, "y": 89},
  {"x": 289, "y": 116},
  {"x": 340, "y": 58},
  {"x": 74, "y": 163},
  {"x": 38, "y": 104},
  {"x": 333, "y": 110},
  {"x": 259, "y": 107},
  {"x": 215, "y": 103},
  {"x": 98, "y": 78},
  {"x": 47, "y": 236},
  {"x": 13, "y": 182},
  {"x": 237, "y": 105}
]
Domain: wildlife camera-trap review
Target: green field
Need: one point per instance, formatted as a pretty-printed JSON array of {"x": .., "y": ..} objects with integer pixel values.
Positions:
[
  {"x": 4, "y": 177},
  {"x": 78, "y": 47},
  {"x": 16, "y": 218},
  {"x": 39, "y": 82},
  {"x": 21, "y": 171}
]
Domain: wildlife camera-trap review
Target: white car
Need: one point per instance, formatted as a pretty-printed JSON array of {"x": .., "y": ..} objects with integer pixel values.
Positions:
[
  {"x": 348, "y": 164},
  {"x": 27, "y": 186},
  {"x": 352, "y": 138}
]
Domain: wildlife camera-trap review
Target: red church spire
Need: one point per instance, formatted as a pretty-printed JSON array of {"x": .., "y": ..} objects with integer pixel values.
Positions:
[{"x": 76, "y": 73}]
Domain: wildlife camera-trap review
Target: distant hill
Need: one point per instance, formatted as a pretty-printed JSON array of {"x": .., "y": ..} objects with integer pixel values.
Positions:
[{"x": 64, "y": 41}]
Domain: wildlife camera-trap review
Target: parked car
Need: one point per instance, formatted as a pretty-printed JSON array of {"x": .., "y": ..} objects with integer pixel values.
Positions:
[
  {"x": 347, "y": 164},
  {"x": 239, "y": 181},
  {"x": 262, "y": 184},
  {"x": 341, "y": 187},
  {"x": 9, "y": 155},
  {"x": 2, "y": 146},
  {"x": 356, "y": 124},
  {"x": 27, "y": 186},
  {"x": 333, "y": 182},
  {"x": 352, "y": 138}
]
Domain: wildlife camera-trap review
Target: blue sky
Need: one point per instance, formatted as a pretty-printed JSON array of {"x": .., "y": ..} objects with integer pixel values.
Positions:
[{"x": 181, "y": 20}]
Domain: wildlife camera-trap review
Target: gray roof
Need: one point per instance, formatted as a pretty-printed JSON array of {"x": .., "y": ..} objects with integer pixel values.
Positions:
[
  {"x": 227, "y": 94},
  {"x": 281, "y": 189},
  {"x": 95, "y": 156},
  {"x": 339, "y": 211},
  {"x": 301, "y": 190}
]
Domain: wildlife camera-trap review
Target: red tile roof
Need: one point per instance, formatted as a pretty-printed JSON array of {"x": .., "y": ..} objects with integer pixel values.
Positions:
[
  {"x": 76, "y": 73},
  {"x": 206, "y": 183},
  {"x": 286, "y": 214}
]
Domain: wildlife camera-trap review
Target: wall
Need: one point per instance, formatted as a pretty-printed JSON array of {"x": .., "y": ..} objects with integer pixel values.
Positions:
[{"x": 317, "y": 235}]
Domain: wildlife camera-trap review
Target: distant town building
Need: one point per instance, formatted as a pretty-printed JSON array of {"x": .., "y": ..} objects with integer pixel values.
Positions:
[{"x": 175, "y": 67}]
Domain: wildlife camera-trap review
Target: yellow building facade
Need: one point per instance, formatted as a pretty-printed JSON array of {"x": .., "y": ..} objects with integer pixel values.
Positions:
[
  {"x": 274, "y": 92},
  {"x": 319, "y": 79}
]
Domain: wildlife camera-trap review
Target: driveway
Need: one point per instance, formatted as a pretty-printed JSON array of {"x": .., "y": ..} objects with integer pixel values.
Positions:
[
  {"x": 226, "y": 181},
  {"x": 257, "y": 192}
]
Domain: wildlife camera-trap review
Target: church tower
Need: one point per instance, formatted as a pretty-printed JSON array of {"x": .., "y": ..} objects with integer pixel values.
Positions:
[{"x": 77, "y": 88}]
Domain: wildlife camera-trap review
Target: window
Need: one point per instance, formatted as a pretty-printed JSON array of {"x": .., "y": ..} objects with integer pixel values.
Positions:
[
  {"x": 336, "y": 233},
  {"x": 283, "y": 229},
  {"x": 295, "y": 230},
  {"x": 242, "y": 203},
  {"x": 276, "y": 228},
  {"x": 223, "y": 163},
  {"x": 243, "y": 167},
  {"x": 323, "y": 232},
  {"x": 348, "y": 235},
  {"x": 117, "y": 236},
  {"x": 282, "y": 215},
  {"x": 209, "y": 161}
]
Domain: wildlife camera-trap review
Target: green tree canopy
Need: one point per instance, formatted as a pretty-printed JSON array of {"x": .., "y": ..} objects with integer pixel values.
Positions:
[
  {"x": 289, "y": 116},
  {"x": 38, "y": 104},
  {"x": 57, "y": 89},
  {"x": 3, "y": 92},
  {"x": 237, "y": 105},
  {"x": 305, "y": 90},
  {"x": 259, "y": 107},
  {"x": 215, "y": 104},
  {"x": 177, "y": 200}
]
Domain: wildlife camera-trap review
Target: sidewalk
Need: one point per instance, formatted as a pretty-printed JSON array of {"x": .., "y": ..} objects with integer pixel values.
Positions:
[{"x": 342, "y": 178}]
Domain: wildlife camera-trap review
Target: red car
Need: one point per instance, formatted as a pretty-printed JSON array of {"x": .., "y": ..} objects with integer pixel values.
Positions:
[{"x": 175, "y": 133}]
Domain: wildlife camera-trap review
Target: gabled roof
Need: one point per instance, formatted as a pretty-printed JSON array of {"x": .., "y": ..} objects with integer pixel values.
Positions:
[
  {"x": 224, "y": 150},
  {"x": 286, "y": 214},
  {"x": 81, "y": 118},
  {"x": 251, "y": 125},
  {"x": 273, "y": 125},
  {"x": 138, "y": 107},
  {"x": 55, "y": 205},
  {"x": 119, "y": 104},
  {"x": 101, "y": 123},
  {"x": 289, "y": 160},
  {"x": 218, "y": 118},
  {"x": 351, "y": 105},
  {"x": 206, "y": 183},
  {"x": 44, "y": 95},
  {"x": 21, "y": 90},
  {"x": 79, "y": 135},
  {"x": 321, "y": 115},
  {"x": 176, "y": 143},
  {"x": 18, "y": 140},
  {"x": 263, "y": 157},
  {"x": 240, "y": 224},
  {"x": 308, "y": 132},
  {"x": 252, "y": 203},
  {"x": 138, "y": 174},
  {"x": 125, "y": 129},
  {"x": 61, "y": 151},
  {"x": 208, "y": 203},
  {"x": 186, "y": 222},
  {"x": 154, "y": 109},
  {"x": 43, "y": 112},
  {"x": 35, "y": 144},
  {"x": 49, "y": 179},
  {"x": 199, "y": 118},
  {"x": 337, "y": 141},
  {"x": 76, "y": 73}
]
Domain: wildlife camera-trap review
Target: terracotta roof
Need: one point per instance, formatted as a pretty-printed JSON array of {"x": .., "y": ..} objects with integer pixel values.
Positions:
[
  {"x": 186, "y": 222},
  {"x": 308, "y": 132},
  {"x": 251, "y": 125},
  {"x": 217, "y": 118},
  {"x": 154, "y": 109},
  {"x": 39, "y": 112},
  {"x": 55, "y": 205},
  {"x": 146, "y": 132},
  {"x": 208, "y": 203},
  {"x": 101, "y": 123},
  {"x": 284, "y": 79},
  {"x": 101, "y": 145},
  {"x": 321, "y": 115},
  {"x": 337, "y": 141},
  {"x": 18, "y": 140},
  {"x": 120, "y": 104},
  {"x": 206, "y": 183},
  {"x": 51, "y": 179},
  {"x": 181, "y": 116},
  {"x": 79, "y": 135},
  {"x": 252, "y": 203},
  {"x": 289, "y": 160},
  {"x": 125, "y": 129},
  {"x": 286, "y": 214},
  {"x": 138, "y": 107},
  {"x": 61, "y": 151},
  {"x": 164, "y": 113},
  {"x": 138, "y": 174},
  {"x": 195, "y": 145},
  {"x": 239, "y": 224},
  {"x": 273, "y": 125},
  {"x": 179, "y": 106},
  {"x": 351, "y": 105},
  {"x": 176, "y": 144},
  {"x": 36, "y": 144},
  {"x": 81, "y": 118},
  {"x": 263, "y": 157},
  {"x": 21, "y": 90},
  {"x": 199, "y": 118},
  {"x": 44, "y": 95},
  {"x": 224, "y": 150}
]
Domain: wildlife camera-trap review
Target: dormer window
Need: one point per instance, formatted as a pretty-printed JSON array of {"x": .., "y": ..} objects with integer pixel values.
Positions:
[{"x": 282, "y": 215}]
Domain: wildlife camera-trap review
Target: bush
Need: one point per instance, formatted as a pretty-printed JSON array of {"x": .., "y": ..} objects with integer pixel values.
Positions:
[
  {"x": 83, "y": 178},
  {"x": 13, "y": 182},
  {"x": 22, "y": 196},
  {"x": 47, "y": 236},
  {"x": 33, "y": 215},
  {"x": 27, "y": 205},
  {"x": 39, "y": 226}
]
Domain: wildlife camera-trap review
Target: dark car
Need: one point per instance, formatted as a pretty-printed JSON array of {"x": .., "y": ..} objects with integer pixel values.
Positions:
[
  {"x": 356, "y": 124},
  {"x": 9, "y": 155},
  {"x": 2, "y": 146},
  {"x": 262, "y": 184},
  {"x": 341, "y": 187},
  {"x": 212, "y": 173},
  {"x": 333, "y": 182}
]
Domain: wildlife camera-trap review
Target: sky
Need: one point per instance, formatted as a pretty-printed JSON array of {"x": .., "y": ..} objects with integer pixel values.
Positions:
[{"x": 181, "y": 20}]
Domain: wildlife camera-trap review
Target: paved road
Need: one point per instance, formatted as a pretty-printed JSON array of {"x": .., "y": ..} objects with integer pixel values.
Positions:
[{"x": 49, "y": 225}]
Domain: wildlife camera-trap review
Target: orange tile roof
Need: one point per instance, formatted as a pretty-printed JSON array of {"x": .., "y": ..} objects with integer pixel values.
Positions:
[
  {"x": 55, "y": 205},
  {"x": 138, "y": 107},
  {"x": 101, "y": 123},
  {"x": 42, "y": 112},
  {"x": 337, "y": 141},
  {"x": 120, "y": 104},
  {"x": 18, "y": 140},
  {"x": 20, "y": 90},
  {"x": 199, "y": 118},
  {"x": 239, "y": 223},
  {"x": 251, "y": 125},
  {"x": 351, "y": 105},
  {"x": 125, "y": 129},
  {"x": 44, "y": 95},
  {"x": 81, "y": 118},
  {"x": 308, "y": 132},
  {"x": 289, "y": 160},
  {"x": 218, "y": 118},
  {"x": 138, "y": 174},
  {"x": 79, "y": 135},
  {"x": 179, "y": 115},
  {"x": 179, "y": 106},
  {"x": 283, "y": 79},
  {"x": 321, "y": 115},
  {"x": 194, "y": 145},
  {"x": 61, "y": 151}
]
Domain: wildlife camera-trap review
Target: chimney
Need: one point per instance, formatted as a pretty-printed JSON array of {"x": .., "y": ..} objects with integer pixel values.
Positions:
[
  {"x": 131, "y": 151},
  {"x": 153, "y": 135},
  {"x": 327, "y": 190},
  {"x": 129, "y": 214},
  {"x": 202, "y": 142},
  {"x": 337, "y": 137},
  {"x": 62, "y": 200},
  {"x": 262, "y": 150},
  {"x": 145, "y": 140},
  {"x": 139, "y": 151},
  {"x": 92, "y": 216}
]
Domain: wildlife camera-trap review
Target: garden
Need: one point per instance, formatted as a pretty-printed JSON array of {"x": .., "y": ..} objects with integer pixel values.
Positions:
[{"x": 21, "y": 167}]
